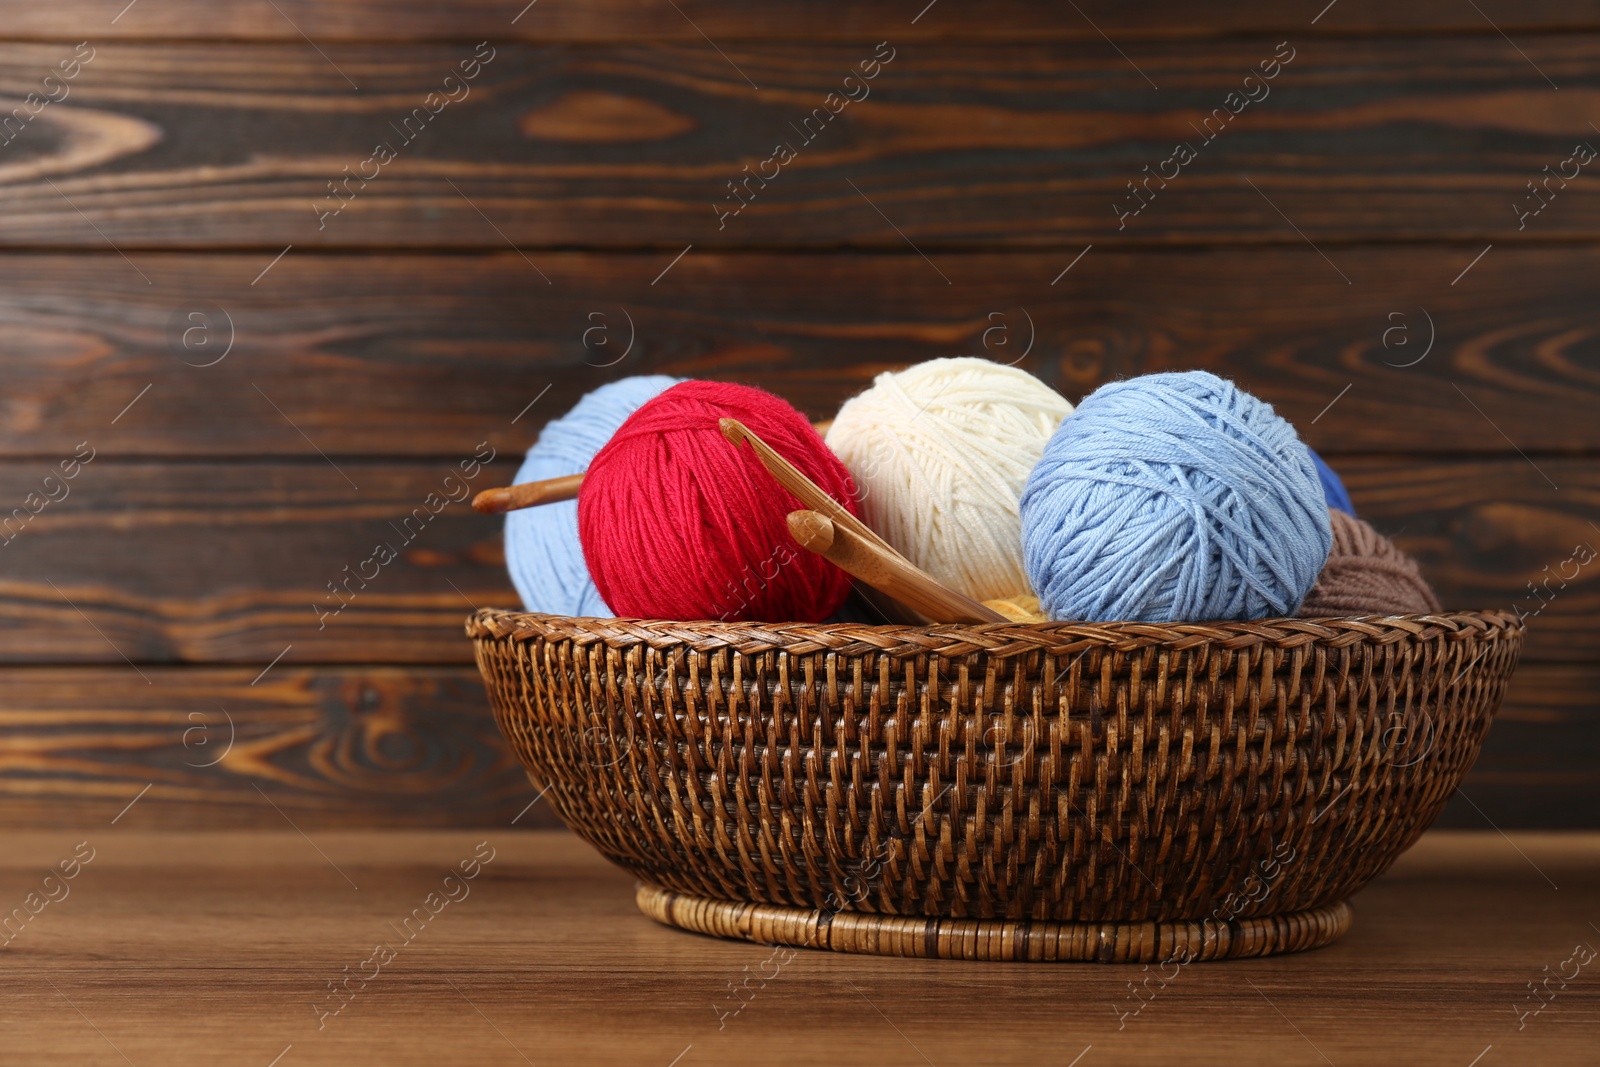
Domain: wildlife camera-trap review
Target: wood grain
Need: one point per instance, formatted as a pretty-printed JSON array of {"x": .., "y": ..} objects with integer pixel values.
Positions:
[
  {"x": 193, "y": 148},
  {"x": 390, "y": 356},
  {"x": 234, "y": 563},
  {"x": 335, "y": 746},
  {"x": 957, "y": 145},
  {"x": 208, "y": 562},
  {"x": 605, "y": 20},
  {"x": 1500, "y": 533},
  {"x": 1538, "y": 768},
  {"x": 205, "y": 948}
]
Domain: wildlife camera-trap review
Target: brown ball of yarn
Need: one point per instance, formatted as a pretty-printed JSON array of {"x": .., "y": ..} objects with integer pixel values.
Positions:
[{"x": 1366, "y": 574}]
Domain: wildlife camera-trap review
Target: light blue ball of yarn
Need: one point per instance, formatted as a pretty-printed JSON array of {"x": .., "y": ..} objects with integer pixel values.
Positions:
[
  {"x": 543, "y": 552},
  {"x": 1170, "y": 498}
]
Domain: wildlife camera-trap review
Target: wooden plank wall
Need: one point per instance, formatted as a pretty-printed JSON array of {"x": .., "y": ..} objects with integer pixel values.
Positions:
[{"x": 251, "y": 371}]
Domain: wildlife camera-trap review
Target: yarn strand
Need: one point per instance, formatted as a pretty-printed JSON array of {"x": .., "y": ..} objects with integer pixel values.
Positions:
[
  {"x": 1173, "y": 497},
  {"x": 543, "y": 554},
  {"x": 677, "y": 523},
  {"x": 939, "y": 454}
]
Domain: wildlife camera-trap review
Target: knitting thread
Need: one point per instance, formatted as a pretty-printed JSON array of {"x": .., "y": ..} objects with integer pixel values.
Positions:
[
  {"x": 1367, "y": 574},
  {"x": 543, "y": 553},
  {"x": 939, "y": 454},
  {"x": 1174, "y": 497},
  {"x": 677, "y": 523},
  {"x": 1333, "y": 490}
]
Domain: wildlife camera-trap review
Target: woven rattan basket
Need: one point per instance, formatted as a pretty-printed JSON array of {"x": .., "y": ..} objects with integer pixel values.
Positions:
[{"x": 1112, "y": 792}]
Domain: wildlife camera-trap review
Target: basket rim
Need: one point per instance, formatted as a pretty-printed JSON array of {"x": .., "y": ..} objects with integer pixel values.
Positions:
[{"x": 506, "y": 625}]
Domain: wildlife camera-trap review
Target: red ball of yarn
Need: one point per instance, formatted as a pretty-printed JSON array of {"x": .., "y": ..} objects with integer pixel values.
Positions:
[{"x": 677, "y": 523}]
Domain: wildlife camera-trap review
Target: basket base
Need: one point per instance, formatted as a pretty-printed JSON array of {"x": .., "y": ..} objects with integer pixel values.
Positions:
[{"x": 1001, "y": 940}]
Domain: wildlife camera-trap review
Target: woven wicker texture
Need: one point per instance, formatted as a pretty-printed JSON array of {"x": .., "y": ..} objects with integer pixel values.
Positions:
[
  {"x": 1113, "y": 774},
  {"x": 1000, "y": 940}
]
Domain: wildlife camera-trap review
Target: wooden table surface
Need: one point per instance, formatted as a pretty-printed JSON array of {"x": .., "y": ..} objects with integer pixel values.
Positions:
[{"x": 218, "y": 948}]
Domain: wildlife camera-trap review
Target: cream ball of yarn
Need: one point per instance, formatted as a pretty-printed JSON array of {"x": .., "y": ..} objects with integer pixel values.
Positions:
[{"x": 939, "y": 454}]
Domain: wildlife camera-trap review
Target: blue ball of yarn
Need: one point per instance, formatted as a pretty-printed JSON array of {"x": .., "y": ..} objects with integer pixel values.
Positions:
[
  {"x": 1333, "y": 490},
  {"x": 543, "y": 553},
  {"x": 1174, "y": 497}
]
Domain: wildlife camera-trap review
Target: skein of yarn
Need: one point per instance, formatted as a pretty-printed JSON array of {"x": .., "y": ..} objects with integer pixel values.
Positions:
[
  {"x": 1174, "y": 497},
  {"x": 1333, "y": 490},
  {"x": 677, "y": 523},
  {"x": 542, "y": 549},
  {"x": 939, "y": 454},
  {"x": 1367, "y": 574}
]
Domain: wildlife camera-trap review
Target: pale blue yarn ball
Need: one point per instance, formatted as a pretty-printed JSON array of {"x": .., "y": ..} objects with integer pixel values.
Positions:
[
  {"x": 543, "y": 553},
  {"x": 1172, "y": 498}
]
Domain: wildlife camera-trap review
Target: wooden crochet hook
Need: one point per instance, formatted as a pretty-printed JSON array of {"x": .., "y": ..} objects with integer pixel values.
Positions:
[
  {"x": 803, "y": 488},
  {"x": 860, "y": 552},
  {"x": 506, "y": 498},
  {"x": 527, "y": 494},
  {"x": 888, "y": 572}
]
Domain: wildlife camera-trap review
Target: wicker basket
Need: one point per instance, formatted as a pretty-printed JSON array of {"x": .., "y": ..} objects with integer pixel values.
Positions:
[{"x": 1113, "y": 792}]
